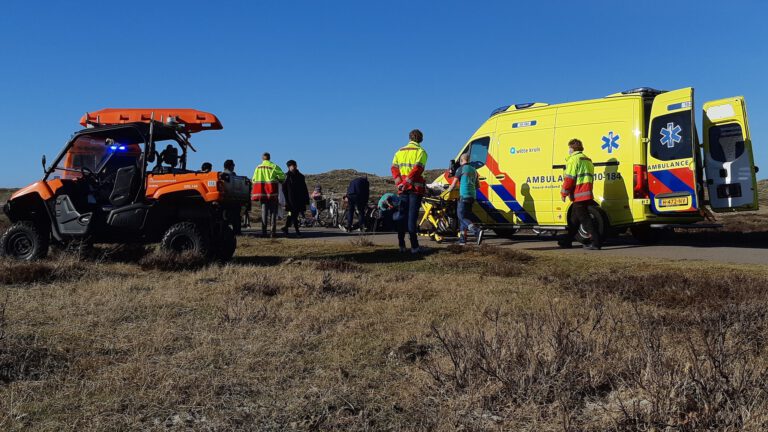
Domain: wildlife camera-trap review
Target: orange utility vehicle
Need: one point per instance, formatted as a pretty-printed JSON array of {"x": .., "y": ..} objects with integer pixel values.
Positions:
[{"x": 124, "y": 179}]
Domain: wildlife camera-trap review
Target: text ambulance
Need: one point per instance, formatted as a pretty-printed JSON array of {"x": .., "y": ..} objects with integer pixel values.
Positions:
[{"x": 649, "y": 170}]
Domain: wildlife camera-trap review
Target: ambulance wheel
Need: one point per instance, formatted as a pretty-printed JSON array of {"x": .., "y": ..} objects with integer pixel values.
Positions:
[
  {"x": 644, "y": 234},
  {"x": 600, "y": 219}
]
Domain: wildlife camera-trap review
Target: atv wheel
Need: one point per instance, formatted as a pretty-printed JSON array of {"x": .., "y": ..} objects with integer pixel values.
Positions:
[
  {"x": 185, "y": 237},
  {"x": 24, "y": 241},
  {"x": 225, "y": 245}
]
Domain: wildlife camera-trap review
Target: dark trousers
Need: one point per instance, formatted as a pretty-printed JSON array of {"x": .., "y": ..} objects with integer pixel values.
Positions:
[
  {"x": 387, "y": 224},
  {"x": 232, "y": 216},
  {"x": 293, "y": 218},
  {"x": 580, "y": 216},
  {"x": 407, "y": 218},
  {"x": 269, "y": 216},
  {"x": 354, "y": 204}
]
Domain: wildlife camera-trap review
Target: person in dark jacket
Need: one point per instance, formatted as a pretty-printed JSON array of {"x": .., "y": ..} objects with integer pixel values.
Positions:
[
  {"x": 358, "y": 193},
  {"x": 232, "y": 211},
  {"x": 296, "y": 196}
]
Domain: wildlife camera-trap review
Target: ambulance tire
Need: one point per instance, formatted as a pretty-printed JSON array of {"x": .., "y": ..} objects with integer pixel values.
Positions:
[
  {"x": 505, "y": 233},
  {"x": 600, "y": 219}
]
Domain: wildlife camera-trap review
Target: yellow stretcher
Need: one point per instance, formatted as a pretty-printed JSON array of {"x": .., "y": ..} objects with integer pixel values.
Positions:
[{"x": 439, "y": 220}]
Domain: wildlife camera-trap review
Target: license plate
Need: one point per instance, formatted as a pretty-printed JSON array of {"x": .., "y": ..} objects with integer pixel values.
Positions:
[{"x": 673, "y": 202}]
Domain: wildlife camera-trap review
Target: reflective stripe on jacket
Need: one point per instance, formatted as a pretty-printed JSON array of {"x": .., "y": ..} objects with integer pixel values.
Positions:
[
  {"x": 578, "y": 177},
  {"x": 266, "y": 179},
  {"x": 408, "y": 166}
]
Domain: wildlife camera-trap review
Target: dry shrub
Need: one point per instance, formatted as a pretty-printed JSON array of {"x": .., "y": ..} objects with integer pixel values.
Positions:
[
  {"x": 14, "y": 272},
  {"x": 412, "y": 350},
  {"x": 338, "y": 266},
  {"x": 243, "y": 310},
  {"x": 666, "y": 289},
  {"x": 22, "y": 272},
  {"x": 604, "y": 369},
  {"x": 362, "y": 240},
  {"x": 485, "y": 259},
  {"x": 553, "y": 361},
  {"x": 717, "y": 379},
  {"x": 261, "y": 285},
  {"x": 170, "y": 261},
  {"x": 328, "y": 285}
]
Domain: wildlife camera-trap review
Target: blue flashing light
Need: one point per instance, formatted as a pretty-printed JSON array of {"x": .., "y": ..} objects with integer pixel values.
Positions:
[
  {"x": 117, "y": 147},
  {"x": 122, "y": 147},
  {"x": 114, "y": 147}
]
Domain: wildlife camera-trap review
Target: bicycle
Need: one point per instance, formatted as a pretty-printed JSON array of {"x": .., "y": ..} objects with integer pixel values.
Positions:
[{"x": 334, "y": 210}]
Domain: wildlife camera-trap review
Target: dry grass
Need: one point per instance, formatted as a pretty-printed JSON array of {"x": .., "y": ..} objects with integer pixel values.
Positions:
[{"x": 302, "y": 335}]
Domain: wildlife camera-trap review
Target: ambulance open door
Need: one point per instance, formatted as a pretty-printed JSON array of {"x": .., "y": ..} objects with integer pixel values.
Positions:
[
  {"x": 728, "y": 161},
  {"x": 671, "y": 158}
]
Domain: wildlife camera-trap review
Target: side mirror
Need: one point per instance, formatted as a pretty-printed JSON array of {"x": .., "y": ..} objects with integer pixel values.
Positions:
[
  {"x": 452, "y": 167},
  {"x": 45, "y": 168}
]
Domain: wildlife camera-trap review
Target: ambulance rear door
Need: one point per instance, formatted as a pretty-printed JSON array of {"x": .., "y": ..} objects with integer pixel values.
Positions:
[
  {"x": 728, "y": 161},
  {"x": 671, "y": 155}
]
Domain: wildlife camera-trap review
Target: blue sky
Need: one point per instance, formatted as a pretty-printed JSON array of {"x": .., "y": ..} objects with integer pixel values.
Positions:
[{"x": 340, "y": 84}]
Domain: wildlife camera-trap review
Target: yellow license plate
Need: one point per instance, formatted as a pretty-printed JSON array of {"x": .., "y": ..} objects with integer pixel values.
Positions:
[{"x": 673, "y": 202}]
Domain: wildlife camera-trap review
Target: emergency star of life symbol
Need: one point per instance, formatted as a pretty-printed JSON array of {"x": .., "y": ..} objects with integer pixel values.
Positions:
[
  {"x": 670, "y": 135},
  {"x": 610, "y": 142}
]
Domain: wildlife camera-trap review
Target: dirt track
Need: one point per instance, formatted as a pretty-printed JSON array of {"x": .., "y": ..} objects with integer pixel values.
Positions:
[{"x": 720, "y": 247}]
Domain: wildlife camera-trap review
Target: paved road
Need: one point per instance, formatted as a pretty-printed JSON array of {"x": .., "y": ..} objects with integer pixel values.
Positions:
[{"x": 720, "y": 247}]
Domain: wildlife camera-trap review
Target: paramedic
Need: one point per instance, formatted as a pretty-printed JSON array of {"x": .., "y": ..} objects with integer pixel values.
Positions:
[
  {"x": 266, "y": 181},
  {"x": 407, "y": 168},
  {"x": 577, "y": 185}
]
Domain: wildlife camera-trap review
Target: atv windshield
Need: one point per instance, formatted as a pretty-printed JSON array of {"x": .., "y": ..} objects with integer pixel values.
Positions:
[{"x": 94, "y": 153}]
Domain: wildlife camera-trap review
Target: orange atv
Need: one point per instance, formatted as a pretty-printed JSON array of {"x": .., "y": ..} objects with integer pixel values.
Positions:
[{"x": 101, "y": 189}]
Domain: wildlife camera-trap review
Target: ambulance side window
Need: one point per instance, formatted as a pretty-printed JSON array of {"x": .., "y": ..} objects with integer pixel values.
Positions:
[
  {"x": 478, "y": 151},
  {"x": 670, "y": 136}
]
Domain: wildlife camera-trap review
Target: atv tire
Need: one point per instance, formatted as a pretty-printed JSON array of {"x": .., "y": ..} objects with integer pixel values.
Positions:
[
  {"x": 24, "y": 241},
  {"x": 185, "y": 237},
  {"x": 225, "y": 245}
]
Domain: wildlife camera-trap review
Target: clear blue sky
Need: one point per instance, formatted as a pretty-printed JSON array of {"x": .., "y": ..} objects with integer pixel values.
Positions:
[{"x": 339, "y": 84}]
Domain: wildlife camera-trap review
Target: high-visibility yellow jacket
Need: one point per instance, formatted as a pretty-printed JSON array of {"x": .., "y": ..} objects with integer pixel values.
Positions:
[
  {"x": 266, "y": 179},
  {"x": 408, "y": 167},
  {"x": 579, "y": 174}
]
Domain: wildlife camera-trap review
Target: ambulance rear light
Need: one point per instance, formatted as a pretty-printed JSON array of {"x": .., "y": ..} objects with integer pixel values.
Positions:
[{"x": 640, "y": 181}]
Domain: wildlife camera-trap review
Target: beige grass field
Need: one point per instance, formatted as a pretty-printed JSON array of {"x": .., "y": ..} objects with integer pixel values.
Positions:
[{"x": 302, "y": 335}]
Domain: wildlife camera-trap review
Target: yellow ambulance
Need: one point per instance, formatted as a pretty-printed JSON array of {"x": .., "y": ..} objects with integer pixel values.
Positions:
[{"x": 651, "y": 168}]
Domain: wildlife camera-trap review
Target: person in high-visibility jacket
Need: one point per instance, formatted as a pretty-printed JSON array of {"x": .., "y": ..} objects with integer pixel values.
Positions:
[
  {"x": 266, "y": 189},
  {"x": 577, "y": 185},
  {"x": 407, "y": 169}
]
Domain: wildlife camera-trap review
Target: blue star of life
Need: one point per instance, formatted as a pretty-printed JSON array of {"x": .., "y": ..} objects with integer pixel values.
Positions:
[
  {"x": 670, "y": 135},
  {"x": 610, "y": 142}
]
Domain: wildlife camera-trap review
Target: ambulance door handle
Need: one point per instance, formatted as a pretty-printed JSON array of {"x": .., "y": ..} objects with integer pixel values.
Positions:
[
  {"x": 501, "y": 176},
  {"x": 481, "y": 178}
]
